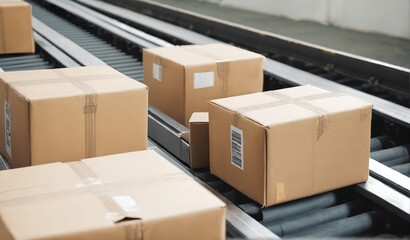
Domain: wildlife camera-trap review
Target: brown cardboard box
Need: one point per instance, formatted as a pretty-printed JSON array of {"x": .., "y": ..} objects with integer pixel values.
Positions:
[
  {"x": 16, "y": 34},
  {"x": 287, "y": 144},
  {"x": 182, "y": 79},
  {"x": 68, "y": 114},
  {"x": 137, "y": 195},
  {"x": 199, "y": 140}
]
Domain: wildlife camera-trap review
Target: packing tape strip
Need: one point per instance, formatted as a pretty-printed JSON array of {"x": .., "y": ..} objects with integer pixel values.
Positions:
[
  {"x": 282, "y": 99},
  {"x": 222, "y": 71},
  {"x": 222, "y": 65},
  {"x": 90, "y": 108},
  {"x": 280, "y": 192}
]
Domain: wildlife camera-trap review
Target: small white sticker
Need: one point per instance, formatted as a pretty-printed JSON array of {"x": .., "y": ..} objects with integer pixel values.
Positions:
[
  {"x": 157, "y": 71},
  {"x": 7, "y": 127},
  {"x": 237, "y": 147},
  {"x": 89, "y": 181},
  {"x": 126, "y": 203},
  {"x": 204, "y": 80}
]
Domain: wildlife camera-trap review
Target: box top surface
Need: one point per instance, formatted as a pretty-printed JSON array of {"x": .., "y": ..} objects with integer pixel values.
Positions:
[
  {"x": 66, "y": 82},
  {"x": 13, "y": 3},
  {"x": 290, "y": 104},
  {"x": 192, "y": 55},
  {"x": 199, "y": 117},
  {"x": 62, "y": 199}
]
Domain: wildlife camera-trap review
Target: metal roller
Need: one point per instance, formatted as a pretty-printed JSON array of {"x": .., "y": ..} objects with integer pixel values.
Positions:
[
  {"x": 403, "y": 168},
  {"x": 381, "y": 142},
  {"x": 390, "y": 153},
  {"x": 352, "y": 226},
  {"x": 315, "y": 218},
  {"x": 294, "y": 208},
  {"x": 397, "y": 161}
]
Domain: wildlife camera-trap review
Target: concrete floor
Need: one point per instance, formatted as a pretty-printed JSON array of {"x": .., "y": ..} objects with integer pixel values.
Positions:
[{"x": 375, "y": 46}]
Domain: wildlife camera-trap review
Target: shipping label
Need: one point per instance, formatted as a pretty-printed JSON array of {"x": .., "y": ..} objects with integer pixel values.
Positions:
[
  {"x": 157, "y": 71},
  {"x": 204, "y": 80},
  {"x": 236, "y": 147}
]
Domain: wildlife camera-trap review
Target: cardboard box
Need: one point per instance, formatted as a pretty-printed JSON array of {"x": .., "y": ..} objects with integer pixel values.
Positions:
[
  {"x": 283, "y": 145},
  {"x": 16, "y": 34},
  {"x": 182, "y": 79},
  {"x": 68, "y": 114},
  {"x": 199, "y": 140},
  {"x": 137, "y": 195}
]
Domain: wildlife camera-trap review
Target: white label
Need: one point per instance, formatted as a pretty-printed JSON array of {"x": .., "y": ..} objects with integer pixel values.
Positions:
[
  {"x": 237, "y": 147},
  {"x": 157, "y": 71},
  {"x": 7, "y": 127},
  {"x": 203, "y": 80},
  {"x": 126, "y": 203}
]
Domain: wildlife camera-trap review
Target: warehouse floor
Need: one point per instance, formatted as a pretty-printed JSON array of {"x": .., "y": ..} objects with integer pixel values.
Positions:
[{"x": 384, "y": 48}]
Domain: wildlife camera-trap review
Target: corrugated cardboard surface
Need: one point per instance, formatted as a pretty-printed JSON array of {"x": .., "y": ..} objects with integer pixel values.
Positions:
[
  {"x": 182, "y": 79},
  {"x": 16, "y": 34},
  {"x": 136, "y": 195},
  {"x": 199, "y": 140},
  {"x": 68, "y": 114},
  {"x": 296, "y": 142}
]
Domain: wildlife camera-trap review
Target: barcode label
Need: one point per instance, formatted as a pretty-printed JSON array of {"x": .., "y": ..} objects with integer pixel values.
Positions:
[
  {"x": 7, "y": 127},
  {"x": 237, "y": 147},
  {"x": 157, "y": 71}
]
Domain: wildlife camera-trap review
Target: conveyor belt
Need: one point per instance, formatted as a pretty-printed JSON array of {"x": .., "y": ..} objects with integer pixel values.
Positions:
[
  {"x": 341, "y": 213},
  {"x": 24, "y": 62},
  {"x": 338, "y": 213},
  {"x": 111, "y": 55},
  {"x": 46, "y": 56}
]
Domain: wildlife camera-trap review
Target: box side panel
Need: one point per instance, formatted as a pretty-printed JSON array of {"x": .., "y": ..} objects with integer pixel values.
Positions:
[
  {"x": 18, "y": 29},
  {"x": 250, "y": 179},
  {"x": 2, "y": 118},
  {"x": 120, "y": 231},
  {"x": 290, "y": 152},
  {"x": 14, "y": 121},
  {"x": 199, "y": 144},
  {"x": 18, "y": 150},
  {"x": 208, "y": 224},
  {"x": 242, "y": 77},
  {"x": 4, "y": 232},
  {"x": 343, "y": 150},
  {"x": 165, "y": 80},
  {"x": 201, "y": 85},
  {"x": 121, "y": 122},
  {"x": 76, "y": 216},
  {"x": 57, "y": 130}
]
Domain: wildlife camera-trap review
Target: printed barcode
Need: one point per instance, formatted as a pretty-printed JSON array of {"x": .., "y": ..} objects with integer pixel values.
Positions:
[{"x": 236, "y": 147}]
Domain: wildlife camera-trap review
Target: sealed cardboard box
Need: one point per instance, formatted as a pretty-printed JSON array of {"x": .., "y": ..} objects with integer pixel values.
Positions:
[
  {"x": 287, "y": 144},
  {"x": 182, "y": 79},
  {"x": 136, "y": 195},
  {"x": 68, "y": 114},
  {"x": 199, "y": 140},
  {"x": 16, "y": 34}
]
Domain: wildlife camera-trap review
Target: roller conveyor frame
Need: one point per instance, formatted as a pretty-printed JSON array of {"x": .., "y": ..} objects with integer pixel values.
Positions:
[{"x": 239, "y": 223}]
